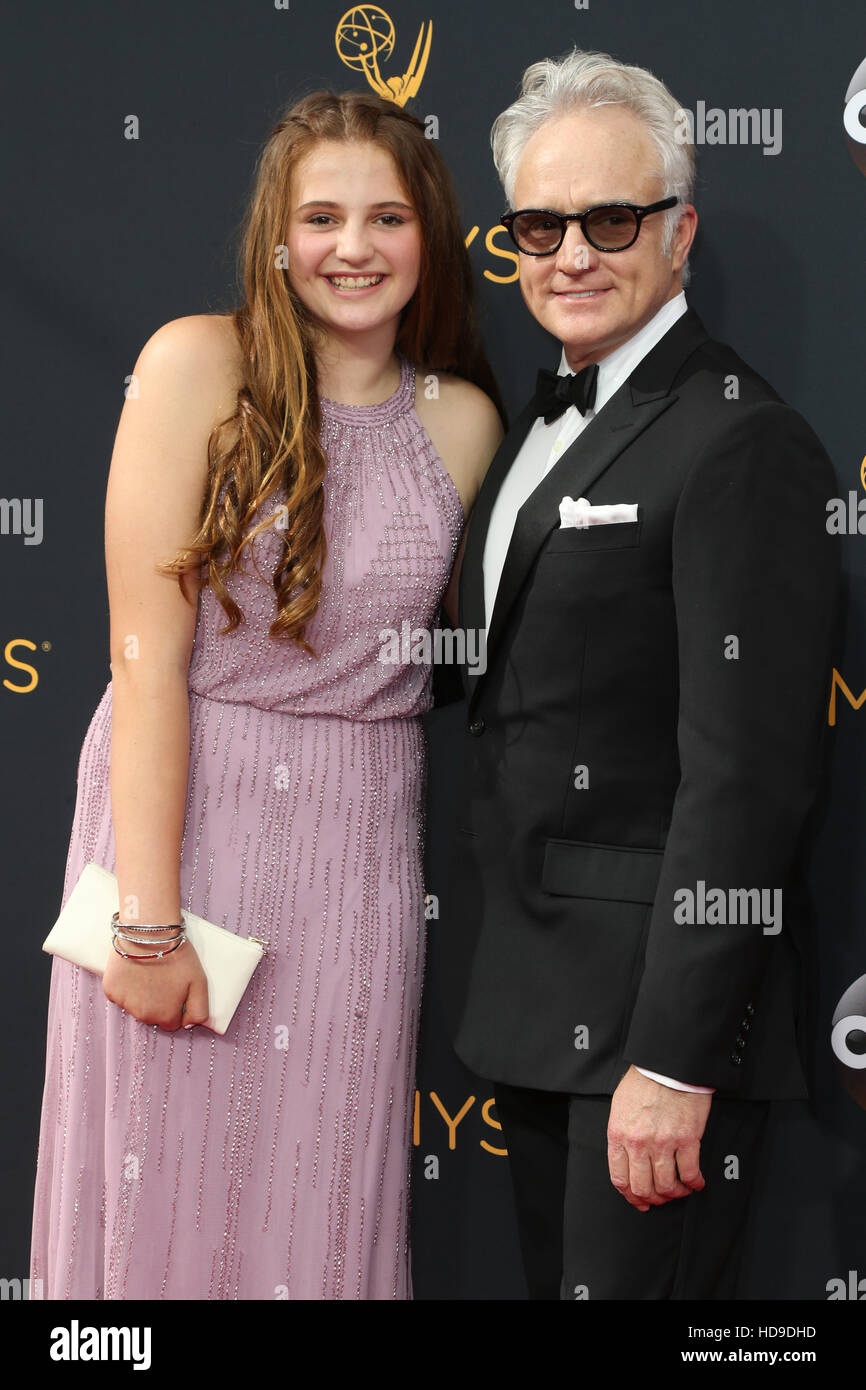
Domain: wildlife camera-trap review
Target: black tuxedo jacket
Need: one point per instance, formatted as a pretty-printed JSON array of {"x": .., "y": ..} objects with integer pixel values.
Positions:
[{"x": 650, "y": 721}]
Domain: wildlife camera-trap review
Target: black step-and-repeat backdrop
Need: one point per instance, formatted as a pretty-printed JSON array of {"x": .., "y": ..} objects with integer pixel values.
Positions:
[{"x": 130, "y": 136}]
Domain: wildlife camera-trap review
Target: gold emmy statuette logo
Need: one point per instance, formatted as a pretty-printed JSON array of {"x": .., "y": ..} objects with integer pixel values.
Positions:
[
  {"x": 863, "y": 473},
  {"x": 365, "y": 34}
]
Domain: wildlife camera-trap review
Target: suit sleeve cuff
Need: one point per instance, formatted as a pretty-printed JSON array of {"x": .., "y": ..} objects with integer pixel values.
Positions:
[{"x": 675, "y": 1085}]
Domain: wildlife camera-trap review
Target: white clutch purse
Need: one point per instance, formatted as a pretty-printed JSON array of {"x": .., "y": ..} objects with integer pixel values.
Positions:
[{"x": 82, "y": 935}]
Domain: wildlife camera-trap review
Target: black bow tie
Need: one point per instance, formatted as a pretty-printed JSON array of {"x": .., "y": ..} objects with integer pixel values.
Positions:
[{"x": 554, "y": 393}]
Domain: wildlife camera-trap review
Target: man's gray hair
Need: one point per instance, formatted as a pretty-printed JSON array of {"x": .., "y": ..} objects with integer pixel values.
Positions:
[{"x": 582, "y": 79}]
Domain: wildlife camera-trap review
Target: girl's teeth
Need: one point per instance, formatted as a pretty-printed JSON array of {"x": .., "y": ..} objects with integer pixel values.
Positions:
[{"x": 349, "y": 282}]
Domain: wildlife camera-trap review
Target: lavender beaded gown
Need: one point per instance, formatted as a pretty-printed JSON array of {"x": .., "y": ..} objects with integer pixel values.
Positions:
[{"x": 271, "y": 1162}]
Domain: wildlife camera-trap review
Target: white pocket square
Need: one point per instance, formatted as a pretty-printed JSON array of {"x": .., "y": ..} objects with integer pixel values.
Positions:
[{"x": 583, "y": 513}]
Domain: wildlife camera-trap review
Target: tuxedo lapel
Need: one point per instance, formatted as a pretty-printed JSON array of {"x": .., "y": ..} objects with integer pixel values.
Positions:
[{"x": 637, "y": 403}]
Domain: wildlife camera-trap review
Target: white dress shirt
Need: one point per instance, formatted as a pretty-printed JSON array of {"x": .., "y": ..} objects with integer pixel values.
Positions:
[{"x": 543, "y": 445}]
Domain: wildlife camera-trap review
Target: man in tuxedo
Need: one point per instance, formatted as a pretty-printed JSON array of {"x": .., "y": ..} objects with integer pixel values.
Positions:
[{"x": 628, "y": 924}]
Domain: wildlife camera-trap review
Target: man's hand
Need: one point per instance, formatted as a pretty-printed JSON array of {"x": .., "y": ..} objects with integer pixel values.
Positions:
[{"x": 653, "y": 1140}]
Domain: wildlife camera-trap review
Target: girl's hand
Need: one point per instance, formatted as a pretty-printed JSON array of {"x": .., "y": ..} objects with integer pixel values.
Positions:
[{"x": 155, "y": 991}]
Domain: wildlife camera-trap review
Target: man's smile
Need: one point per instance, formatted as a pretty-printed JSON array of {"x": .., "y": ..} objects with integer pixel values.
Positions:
[{"x": 580, "y": 294}]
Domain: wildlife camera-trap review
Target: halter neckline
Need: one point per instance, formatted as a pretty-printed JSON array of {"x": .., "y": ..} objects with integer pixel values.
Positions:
[{"x": 398, "y": 403}]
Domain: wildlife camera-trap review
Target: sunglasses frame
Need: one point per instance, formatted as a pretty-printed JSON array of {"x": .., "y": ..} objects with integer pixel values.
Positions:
[{"x": 507, "y": 220}]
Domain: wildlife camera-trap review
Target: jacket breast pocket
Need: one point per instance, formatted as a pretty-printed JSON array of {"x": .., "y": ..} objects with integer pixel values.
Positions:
[
  {"x": 611, "y": 535},
  {"x": 577, "y": 869}
]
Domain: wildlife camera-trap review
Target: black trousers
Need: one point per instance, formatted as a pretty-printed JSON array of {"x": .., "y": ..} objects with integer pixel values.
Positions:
[{"x": 580, "y": 1238}]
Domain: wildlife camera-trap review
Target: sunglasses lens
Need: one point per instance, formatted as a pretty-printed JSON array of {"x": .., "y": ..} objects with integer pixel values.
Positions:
[
  {"x": 611, "y": 227},
  {"x": 536, "y": 232},
  {"x": 608, "y": 228}
]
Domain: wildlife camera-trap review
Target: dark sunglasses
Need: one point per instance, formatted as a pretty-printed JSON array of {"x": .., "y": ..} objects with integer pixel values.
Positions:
[{"x": 608, "y": 227}]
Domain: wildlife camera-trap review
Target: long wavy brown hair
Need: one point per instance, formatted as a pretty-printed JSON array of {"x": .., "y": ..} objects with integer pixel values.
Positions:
[{"x": 272, "y": 439}]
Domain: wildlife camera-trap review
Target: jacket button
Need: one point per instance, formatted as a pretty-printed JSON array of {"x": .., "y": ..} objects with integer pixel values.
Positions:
[
  {"x": 746, "y": 1025},
  {"x": 736, "y": 1058},
  {"x": 740, "y": 1042},
  {"x": 750, "y": 1009},
  {"x": 476, "y": 727}
]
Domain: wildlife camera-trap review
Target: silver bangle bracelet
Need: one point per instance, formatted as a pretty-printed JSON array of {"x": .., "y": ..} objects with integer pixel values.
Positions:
[
  {"x": 145, "y": 926},
  {"x": 145, "y": 940},
  {"x": 154, "y": 955}
]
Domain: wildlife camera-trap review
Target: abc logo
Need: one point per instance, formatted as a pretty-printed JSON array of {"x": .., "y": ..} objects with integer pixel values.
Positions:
[
  {"x": 854, "y": 117},
  {"x": 848, "y": 1040}
]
